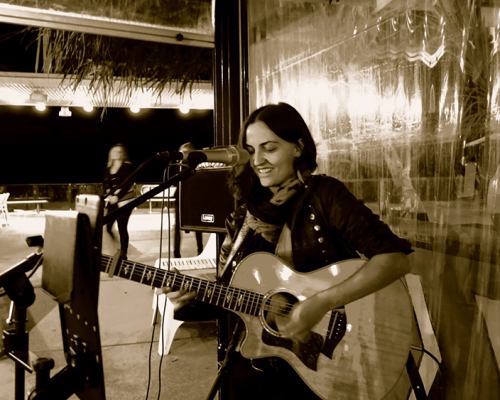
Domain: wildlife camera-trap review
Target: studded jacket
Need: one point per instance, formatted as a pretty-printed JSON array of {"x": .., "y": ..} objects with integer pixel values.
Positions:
[{"x": 328, "y": 225}]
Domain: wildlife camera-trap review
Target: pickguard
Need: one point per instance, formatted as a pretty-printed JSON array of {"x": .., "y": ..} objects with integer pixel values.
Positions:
[{"x": 307, "y": 353}]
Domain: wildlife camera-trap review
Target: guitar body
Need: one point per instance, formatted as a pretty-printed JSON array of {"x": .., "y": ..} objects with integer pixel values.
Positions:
[
  {"x": 355, "y": 353},
  {"x": 359, "y": 353}
]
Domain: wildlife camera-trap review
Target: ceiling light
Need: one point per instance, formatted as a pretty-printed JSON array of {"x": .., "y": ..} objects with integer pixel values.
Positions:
[
  {"x": 65, "y": 112},
  {"x": 40, "y": 106},
  {"x": 184, "y": 109},
  {"x": 88, "y": 108},
  {"x": 38, "y": 97},
  {"x": 135, "y": 109}
]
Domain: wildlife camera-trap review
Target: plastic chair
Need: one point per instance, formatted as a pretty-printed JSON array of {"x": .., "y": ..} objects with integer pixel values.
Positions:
[
  {"x": 170, "y": 325},
  {"x": 3, "y": 208}
]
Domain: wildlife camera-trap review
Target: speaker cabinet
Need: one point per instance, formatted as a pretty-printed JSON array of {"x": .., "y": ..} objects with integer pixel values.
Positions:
[{"x": 205, "y": 201}]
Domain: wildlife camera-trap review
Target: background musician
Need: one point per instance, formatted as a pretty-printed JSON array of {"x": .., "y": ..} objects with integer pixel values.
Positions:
[{"x": 117, "y": 171}]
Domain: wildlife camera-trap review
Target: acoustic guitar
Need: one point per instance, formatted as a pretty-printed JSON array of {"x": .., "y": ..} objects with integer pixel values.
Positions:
[{"x": 356, "y": 352}]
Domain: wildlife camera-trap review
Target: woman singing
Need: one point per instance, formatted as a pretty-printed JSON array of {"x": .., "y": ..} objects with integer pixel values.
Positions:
[{"x": 308, "y": 221}]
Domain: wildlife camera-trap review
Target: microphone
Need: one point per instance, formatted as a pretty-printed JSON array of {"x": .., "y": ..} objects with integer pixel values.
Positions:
[
  {"x": 229, "y": 155},
  {"x": 170, "y": 156}
]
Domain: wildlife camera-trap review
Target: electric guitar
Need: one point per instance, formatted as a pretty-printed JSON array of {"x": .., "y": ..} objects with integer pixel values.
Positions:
[{"x": 356, "y": 352}]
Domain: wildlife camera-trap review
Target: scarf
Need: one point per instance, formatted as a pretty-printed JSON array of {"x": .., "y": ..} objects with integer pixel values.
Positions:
[{"x": 267, "y": 211}]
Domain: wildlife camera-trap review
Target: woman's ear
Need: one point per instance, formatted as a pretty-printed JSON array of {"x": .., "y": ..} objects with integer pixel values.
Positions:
[{"x": 299, "y": 147}]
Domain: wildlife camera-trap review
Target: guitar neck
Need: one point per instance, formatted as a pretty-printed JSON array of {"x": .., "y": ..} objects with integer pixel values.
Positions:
[{"x": 210, "y": 292}]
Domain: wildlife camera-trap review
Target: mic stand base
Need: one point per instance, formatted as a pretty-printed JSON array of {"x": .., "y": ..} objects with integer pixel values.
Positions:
[
  {"x": 218, "y": 379},
  {"x": 16, "y": 341},
  {"x": 60, "y": 387},
  {"x": 223, "y": 365}
]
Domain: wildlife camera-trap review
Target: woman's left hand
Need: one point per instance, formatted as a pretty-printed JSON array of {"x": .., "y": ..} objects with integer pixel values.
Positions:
[
  {"x": 304, "y": 316},
  {"x": 113, "y": 199}
]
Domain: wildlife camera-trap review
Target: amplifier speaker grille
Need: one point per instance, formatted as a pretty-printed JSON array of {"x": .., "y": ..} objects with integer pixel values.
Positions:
[{"x": 205, "y": 201}]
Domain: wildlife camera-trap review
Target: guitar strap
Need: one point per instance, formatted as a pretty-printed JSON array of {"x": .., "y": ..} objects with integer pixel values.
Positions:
[
  {"x": 283, "y": 248},
  {"x": 240, "y": 238}
]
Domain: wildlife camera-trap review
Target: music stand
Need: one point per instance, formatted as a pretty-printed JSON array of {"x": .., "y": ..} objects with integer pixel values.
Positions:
[{"x": 72, "y": 253}]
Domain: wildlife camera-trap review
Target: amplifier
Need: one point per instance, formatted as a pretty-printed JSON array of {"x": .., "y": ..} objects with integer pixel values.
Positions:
[{"x": 205, "y": 201}]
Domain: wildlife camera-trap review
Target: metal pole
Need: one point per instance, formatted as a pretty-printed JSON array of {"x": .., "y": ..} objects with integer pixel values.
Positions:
[{"x": 20, "y": 329}]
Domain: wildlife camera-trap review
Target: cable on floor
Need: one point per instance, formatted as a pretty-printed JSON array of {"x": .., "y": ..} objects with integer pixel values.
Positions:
[{"x": 166, "y": 176}]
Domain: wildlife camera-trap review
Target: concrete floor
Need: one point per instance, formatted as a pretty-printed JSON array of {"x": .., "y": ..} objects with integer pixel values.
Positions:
[
  {"x": 125, "y": 316},
  {"x": 188, "y": 371}
]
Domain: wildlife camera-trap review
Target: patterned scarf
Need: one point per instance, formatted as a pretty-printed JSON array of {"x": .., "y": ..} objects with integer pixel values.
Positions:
[{"x": 268, "y": 212}]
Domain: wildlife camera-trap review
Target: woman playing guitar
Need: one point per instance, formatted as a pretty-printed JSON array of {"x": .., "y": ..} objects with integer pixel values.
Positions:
[
  {"x": 308, "y": 221},
  {"x": 117, "y": 171}
]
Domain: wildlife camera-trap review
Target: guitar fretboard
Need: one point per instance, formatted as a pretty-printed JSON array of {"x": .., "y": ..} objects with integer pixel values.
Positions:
[
  {"x": 214, "y": 293},
  {"x": 189, "y": 263}
]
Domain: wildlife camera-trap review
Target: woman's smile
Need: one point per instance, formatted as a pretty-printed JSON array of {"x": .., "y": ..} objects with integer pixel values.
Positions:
[
  {"x": 271, "y": 157},
  {"x": 264, "y": 171}
]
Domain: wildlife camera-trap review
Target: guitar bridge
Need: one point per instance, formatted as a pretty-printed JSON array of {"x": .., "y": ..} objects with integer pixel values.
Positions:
[{"x": 336, "y": 331}]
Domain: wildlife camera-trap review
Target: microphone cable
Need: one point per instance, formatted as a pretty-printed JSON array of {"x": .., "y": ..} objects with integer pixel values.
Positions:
[
  {"x": 441, "y": 375},
  {"x": 166, "y": 174},
  {"x": 169, "y": 202}
]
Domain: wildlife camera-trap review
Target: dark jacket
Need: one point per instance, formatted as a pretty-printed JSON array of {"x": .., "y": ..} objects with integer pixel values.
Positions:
[
  {"x": 329, "y": 224},
  {"x": 114, "y": 181}
]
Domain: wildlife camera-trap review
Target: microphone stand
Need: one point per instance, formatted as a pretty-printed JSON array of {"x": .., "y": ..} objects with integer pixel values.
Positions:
[
  {"x": 159, "y": 156},
  {"x": 182, "y": 175},
  {"x": 16, "y": 341},
  {"x": 225, "y": 363}
]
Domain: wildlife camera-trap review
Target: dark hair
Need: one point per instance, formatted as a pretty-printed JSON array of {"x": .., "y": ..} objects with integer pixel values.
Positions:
[
  {"x": 124, "y": 152},
  {"x": 286, "y": 122},
  {"x": 189, "y": 146}
]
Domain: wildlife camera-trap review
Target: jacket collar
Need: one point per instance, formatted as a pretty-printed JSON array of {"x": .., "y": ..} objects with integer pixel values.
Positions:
[{"x": 309, "y": 187}]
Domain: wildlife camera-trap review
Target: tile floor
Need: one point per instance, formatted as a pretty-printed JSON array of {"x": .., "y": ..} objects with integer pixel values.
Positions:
[{"x": 188, "y": 371}]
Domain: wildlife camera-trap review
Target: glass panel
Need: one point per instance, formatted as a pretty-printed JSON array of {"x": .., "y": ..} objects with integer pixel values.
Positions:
[
  {"x": 58, "y": 196},
  {"x": 188, "y": 15},
  {"x": 402, "y": 98}
]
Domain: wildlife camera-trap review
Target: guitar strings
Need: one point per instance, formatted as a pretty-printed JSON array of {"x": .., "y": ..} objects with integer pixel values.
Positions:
[
  {"x": 276, "y": 310},
  {"x": 250, "y": 297},
  {"x": 282, "y": 309},
  {"x": 218, "y": 289}
]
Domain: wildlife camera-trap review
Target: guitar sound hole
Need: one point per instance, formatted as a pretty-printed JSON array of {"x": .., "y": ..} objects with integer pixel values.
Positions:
[{"x": 276, "y": 309}]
